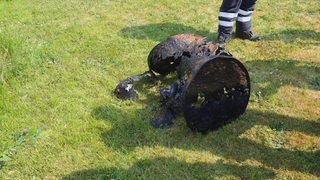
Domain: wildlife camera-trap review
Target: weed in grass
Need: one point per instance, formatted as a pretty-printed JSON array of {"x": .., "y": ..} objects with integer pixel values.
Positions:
[
  {"x": 16, "y": 144},
  {"x": 315, "y": 83}
]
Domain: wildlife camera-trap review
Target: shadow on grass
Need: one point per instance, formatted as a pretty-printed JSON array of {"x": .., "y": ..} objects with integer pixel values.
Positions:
[
  {"x": 131, "y": 129},
  {"x": 161, "y": 31},
  {"x": 276, "y": 73},
  {"x": 291, "y": 35},
  {"x": 127, "y": 134},
  {"x": 170, "y": 168}
]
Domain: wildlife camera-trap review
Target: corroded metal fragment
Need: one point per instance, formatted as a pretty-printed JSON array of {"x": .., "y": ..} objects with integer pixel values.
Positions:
[{"x": 125, "y": 90}]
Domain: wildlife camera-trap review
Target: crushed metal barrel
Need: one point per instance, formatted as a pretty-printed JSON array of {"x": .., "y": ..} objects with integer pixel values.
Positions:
[
  {"x": 212, "y": 87},
  {"x": 217, "y": 92},
  {"x": 167, "y": 55}
]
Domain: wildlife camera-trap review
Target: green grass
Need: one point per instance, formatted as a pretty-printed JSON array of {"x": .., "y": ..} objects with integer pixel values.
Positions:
[{"x": 61, "y": 60}]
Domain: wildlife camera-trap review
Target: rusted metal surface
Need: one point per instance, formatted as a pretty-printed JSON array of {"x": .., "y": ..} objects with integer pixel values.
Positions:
[
  {"x": 217, "y": 92},
  {"x": 211, "y": 90},
  {"x": 165, "y": 57}
]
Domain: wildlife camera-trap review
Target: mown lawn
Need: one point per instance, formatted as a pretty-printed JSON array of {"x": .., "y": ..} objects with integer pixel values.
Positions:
[{"x": 60, "y": 61}]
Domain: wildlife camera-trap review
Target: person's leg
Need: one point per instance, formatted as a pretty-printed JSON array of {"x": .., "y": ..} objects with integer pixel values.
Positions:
[
  {"x": 243, "y": 23},
  {"x": 227, "y": 16}
]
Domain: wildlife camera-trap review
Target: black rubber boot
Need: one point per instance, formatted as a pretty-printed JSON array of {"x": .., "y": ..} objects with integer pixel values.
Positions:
[{"x": 248, "y": 35}]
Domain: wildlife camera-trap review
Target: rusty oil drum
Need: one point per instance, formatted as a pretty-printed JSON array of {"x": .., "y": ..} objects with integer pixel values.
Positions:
[
  {"x": 217, "y": 85},
  {"x": 216, "y": 93}
]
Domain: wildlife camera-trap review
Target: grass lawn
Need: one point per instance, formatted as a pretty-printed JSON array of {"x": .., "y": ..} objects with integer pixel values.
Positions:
[{"x": 60, "y": 61}]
